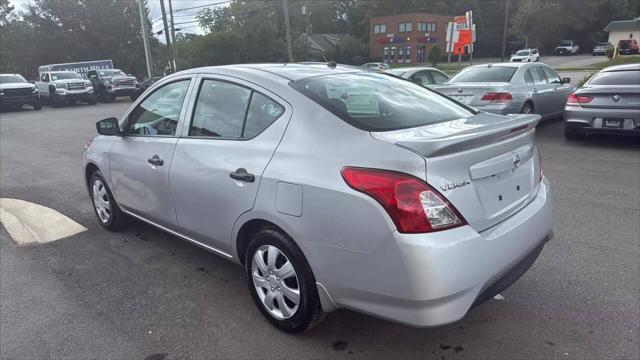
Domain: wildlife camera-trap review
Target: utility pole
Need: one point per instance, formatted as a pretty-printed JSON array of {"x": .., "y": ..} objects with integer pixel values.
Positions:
[
  {"x": 306, "y": 12},
  {"x": 145, "y": 39},
  {"x": 286, "y": 24},
  {"x": 504, "y": 31},
  {"x": 167, "y": 35},
  {"x": 173, "y": 38}
]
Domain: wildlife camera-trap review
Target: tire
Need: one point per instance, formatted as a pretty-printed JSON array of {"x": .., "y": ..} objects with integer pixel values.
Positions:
[
  {"x": 113, "y": 218},
  {"x": 307, "y": 312},
  {"x": 109, "y": 98},
  {"x": 54, "y": 100},
  {"x": 572, "y": 135},
  {"x": 37, "y": 106},
  {"x": 92, "y": 101},
  {"x": 133, "y": 97},
  {"x": 527, "y": 108}
]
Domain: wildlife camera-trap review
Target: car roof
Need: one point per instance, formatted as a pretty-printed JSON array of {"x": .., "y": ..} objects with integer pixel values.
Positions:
[
  {"x": 287, "y": 71},
  {"x": 505, "y": 64},
  {"x": 412, "y": 68},
  {"x": 622, "y": 67}
]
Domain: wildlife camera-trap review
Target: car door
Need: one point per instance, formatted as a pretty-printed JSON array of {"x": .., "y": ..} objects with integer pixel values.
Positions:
[
  {"x": 542, "y": 91},
  {"x": 140, "y": 159},
  {"x": 218, "y": 163},
  {"x": 560, "y": 91}
]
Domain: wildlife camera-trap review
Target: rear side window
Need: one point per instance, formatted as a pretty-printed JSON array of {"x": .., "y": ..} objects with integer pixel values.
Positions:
[
  {"x": 629, "y": 77},
  {"x": 232, "y": 111},
  {"x": 377, "y": 102},
  {"x": 485, "y": 74}
]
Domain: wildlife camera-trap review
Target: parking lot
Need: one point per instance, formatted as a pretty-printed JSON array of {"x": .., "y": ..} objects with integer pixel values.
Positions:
[{"x": 144, "y": 294}]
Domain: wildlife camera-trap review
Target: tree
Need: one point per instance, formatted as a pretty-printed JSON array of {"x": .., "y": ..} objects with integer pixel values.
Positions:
[
  {"x": 5, "y": 11},
  {"x": 435, "y": 55}
]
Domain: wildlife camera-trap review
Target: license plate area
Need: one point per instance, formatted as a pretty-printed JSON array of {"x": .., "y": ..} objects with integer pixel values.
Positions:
[
  {"x": 465, "y": 99},
  {"x": 612, "y": 123},
  {"x": 500, "y": 192}
]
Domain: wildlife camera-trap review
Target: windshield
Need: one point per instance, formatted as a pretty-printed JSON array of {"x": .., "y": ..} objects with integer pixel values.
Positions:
[
  {"x": 378, "y": 102},
  {"x": 64, "y": 76},
  {"x": 630, "y": 77},
  {"x": 110, "y": 73},
  {"x": 484, "y": 74},
  {"x": 566, "y": 43},
  {"x": 5, "y": 79},
  {"x": 523, "y": 53}
]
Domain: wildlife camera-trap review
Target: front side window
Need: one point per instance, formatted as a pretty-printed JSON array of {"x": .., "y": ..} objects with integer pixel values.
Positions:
[
  {"x": 438, "y": 77},
  {"x": 552, "y": 77},
  {"x": 537, "y": 74},
  {"x": 484, "y": 74},
  {"x": 158, "y": 114},
  {"x": 379, "y": 102},
  {"x": 404, "y": 27},
  {"x": 232, "y": 111}
]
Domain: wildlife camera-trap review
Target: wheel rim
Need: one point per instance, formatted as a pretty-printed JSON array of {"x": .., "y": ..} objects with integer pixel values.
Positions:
[
  {"x": 101, "y": 201},
  {"x": 276, "y": 282},
  {"x": 527, "y": 109}
]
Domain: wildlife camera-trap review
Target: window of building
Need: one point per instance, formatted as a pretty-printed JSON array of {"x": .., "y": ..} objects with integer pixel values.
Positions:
[
  {"x": 404, "y": 27},
  {"x": 420, "y": 55},
  {"x": 379, "y": 29},
  {"x": 427, "y": 27}
]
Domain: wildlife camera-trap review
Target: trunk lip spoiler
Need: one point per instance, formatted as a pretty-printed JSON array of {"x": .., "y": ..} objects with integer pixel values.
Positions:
[{"x": 427, "y": 143}]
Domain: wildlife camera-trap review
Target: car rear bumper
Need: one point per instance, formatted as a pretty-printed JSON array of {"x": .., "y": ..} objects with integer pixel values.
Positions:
[
  {"x": 427, "y": 280},
  {"x": 582, "y": 120}
]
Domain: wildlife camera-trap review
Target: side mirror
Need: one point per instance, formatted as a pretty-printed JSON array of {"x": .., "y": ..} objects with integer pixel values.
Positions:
[
  {"x": 566, "y": 80},
  {"x": 108, "y": 126}
]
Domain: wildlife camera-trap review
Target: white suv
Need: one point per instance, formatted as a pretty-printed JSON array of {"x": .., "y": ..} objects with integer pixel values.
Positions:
[{"x": 525, "y": 55}]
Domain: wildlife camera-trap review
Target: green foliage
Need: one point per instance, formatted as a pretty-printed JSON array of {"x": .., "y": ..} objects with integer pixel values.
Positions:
[
  {"x": 434, "y": 55},
  {"x": 610, "y": 52},
  {"x": 350, "y": 50}
]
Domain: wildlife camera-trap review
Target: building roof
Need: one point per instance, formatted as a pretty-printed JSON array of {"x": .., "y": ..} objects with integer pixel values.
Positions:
[
  {"x": 623, "y": 25},
  {"x": 324, "y": 42}
]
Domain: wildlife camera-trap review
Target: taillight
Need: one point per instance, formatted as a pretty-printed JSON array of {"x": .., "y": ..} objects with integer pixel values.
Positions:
[
  {"x": 413, "y": 205},
  {"x": 577, "y": 100},
  {"x": 497, "y": 97}
]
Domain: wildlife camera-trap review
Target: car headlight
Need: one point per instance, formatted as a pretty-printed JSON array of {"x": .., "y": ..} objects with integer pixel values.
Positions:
[
  {"x": 35, "y": 90},
  {"x": 1, "y": 93},
  {"x": 61, "y": 86}
]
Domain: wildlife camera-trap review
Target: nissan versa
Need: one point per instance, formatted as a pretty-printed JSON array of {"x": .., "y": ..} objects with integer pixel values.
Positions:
[{"x": 334, "y": 187}]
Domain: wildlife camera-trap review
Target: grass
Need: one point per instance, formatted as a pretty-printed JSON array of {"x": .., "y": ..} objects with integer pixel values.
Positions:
[{"x": 620, "y": 60}]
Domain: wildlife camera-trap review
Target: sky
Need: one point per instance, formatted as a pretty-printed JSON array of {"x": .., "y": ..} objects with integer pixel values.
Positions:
[{"x": 184, "y": 19}]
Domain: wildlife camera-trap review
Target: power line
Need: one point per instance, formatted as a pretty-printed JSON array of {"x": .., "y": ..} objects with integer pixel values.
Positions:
[{"x": 203, "y": 6}]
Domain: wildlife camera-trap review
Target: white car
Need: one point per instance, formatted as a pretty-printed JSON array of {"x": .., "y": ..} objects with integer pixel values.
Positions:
[
  {"x": 525, "y": 55},
  {"x": 567, "y": 47}
]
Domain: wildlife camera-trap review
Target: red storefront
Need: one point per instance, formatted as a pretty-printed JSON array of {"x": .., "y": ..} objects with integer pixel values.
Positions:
[{"x": 406, "y": 38}]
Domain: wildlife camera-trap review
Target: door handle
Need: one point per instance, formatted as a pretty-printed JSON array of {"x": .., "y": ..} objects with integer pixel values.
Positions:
[
  {"x": 242, "y": 175},
  {"x": 155, "y": 160},
  {"x": 535, "y": 90}
]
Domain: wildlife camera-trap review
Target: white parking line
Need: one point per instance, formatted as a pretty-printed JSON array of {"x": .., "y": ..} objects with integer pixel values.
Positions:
[{"x": 29, "y": 223}]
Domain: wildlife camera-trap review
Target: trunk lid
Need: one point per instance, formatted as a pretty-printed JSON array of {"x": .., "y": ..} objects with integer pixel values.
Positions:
[
  {"x": 471, "y": 93},
  {"x": 604, "y": 96},
  {"x": 487, "y": 165}
]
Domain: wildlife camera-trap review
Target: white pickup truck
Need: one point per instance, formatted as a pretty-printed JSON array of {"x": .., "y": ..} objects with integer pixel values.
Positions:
[
  {"x": 567, "y": 47},
  {"x": 59, "y": 87}
]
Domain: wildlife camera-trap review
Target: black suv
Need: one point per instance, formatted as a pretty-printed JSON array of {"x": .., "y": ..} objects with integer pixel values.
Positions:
[
  {"x": 109, "y": 84},
  {"x": 15, "y": 91}
]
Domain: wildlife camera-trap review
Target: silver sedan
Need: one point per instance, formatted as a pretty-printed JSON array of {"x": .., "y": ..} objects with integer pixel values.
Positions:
[
  {"x": 425, "y": 76},
  {"x": 609, "y": 103},
  {"x": 333, "y": 187},
  {"x": 510, "y": 88}
]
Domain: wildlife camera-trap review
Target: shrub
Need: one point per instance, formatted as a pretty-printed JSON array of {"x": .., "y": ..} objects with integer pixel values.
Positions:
[{"x": 434, "y": 55}]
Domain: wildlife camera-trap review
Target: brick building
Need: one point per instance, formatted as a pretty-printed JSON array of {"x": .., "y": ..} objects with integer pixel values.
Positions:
[{"x": 406, "y": 38}]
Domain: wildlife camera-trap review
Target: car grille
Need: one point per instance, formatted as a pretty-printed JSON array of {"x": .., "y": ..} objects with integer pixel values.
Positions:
[
  {"x": 76, "y": 86},
  {"x": 18, "y": 92},
  {"x": 123, "y": 82}
]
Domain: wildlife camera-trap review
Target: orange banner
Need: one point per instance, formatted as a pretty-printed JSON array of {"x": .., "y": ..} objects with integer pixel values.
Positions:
[{"x": 464, "y": 37}]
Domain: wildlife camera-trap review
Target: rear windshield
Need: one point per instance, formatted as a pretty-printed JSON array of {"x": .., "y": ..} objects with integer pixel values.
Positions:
[
  {"x": 484, "y": 74},
  {"x": 378, "y": 102},
  {"x": 630, "y": 77}
]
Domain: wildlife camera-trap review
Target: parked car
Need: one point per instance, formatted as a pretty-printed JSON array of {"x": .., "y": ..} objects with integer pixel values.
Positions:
[
  {"x": 567, "y": 47},
  {"x": 16, "y": 91},
  {"x": 525, "y": 55},
  {"x": 601, "y": 48},
  {"x": 332, "y": 186},
  {"x": 628, "y": 47},
  {"x": 59, "y": 87},
  {"x": 110, "y": 84},
  {"x": 376, "y": 66},
  {"x": 608, "y": 103},
  {"x": 509, "y": 88},
  {"x": 425, "y": 76},
  {"x": 146, "y": 83}
]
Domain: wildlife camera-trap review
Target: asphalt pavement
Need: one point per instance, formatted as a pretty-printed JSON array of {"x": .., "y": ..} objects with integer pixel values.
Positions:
[{"x": 142, "y": 294}]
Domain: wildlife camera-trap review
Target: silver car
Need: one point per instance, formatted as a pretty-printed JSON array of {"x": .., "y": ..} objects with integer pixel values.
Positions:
[
  {"x": 510, "y": 88},
  {"x": 333, "y": 187},
  {"x": 608, "y": 103},
  {"x": 425, "y": 76}
]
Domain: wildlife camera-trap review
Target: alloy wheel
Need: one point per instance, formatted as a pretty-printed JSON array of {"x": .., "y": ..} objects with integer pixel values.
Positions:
[
  {"x": 101, "y": 201},
  {"x": 276, "y": 282}
]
